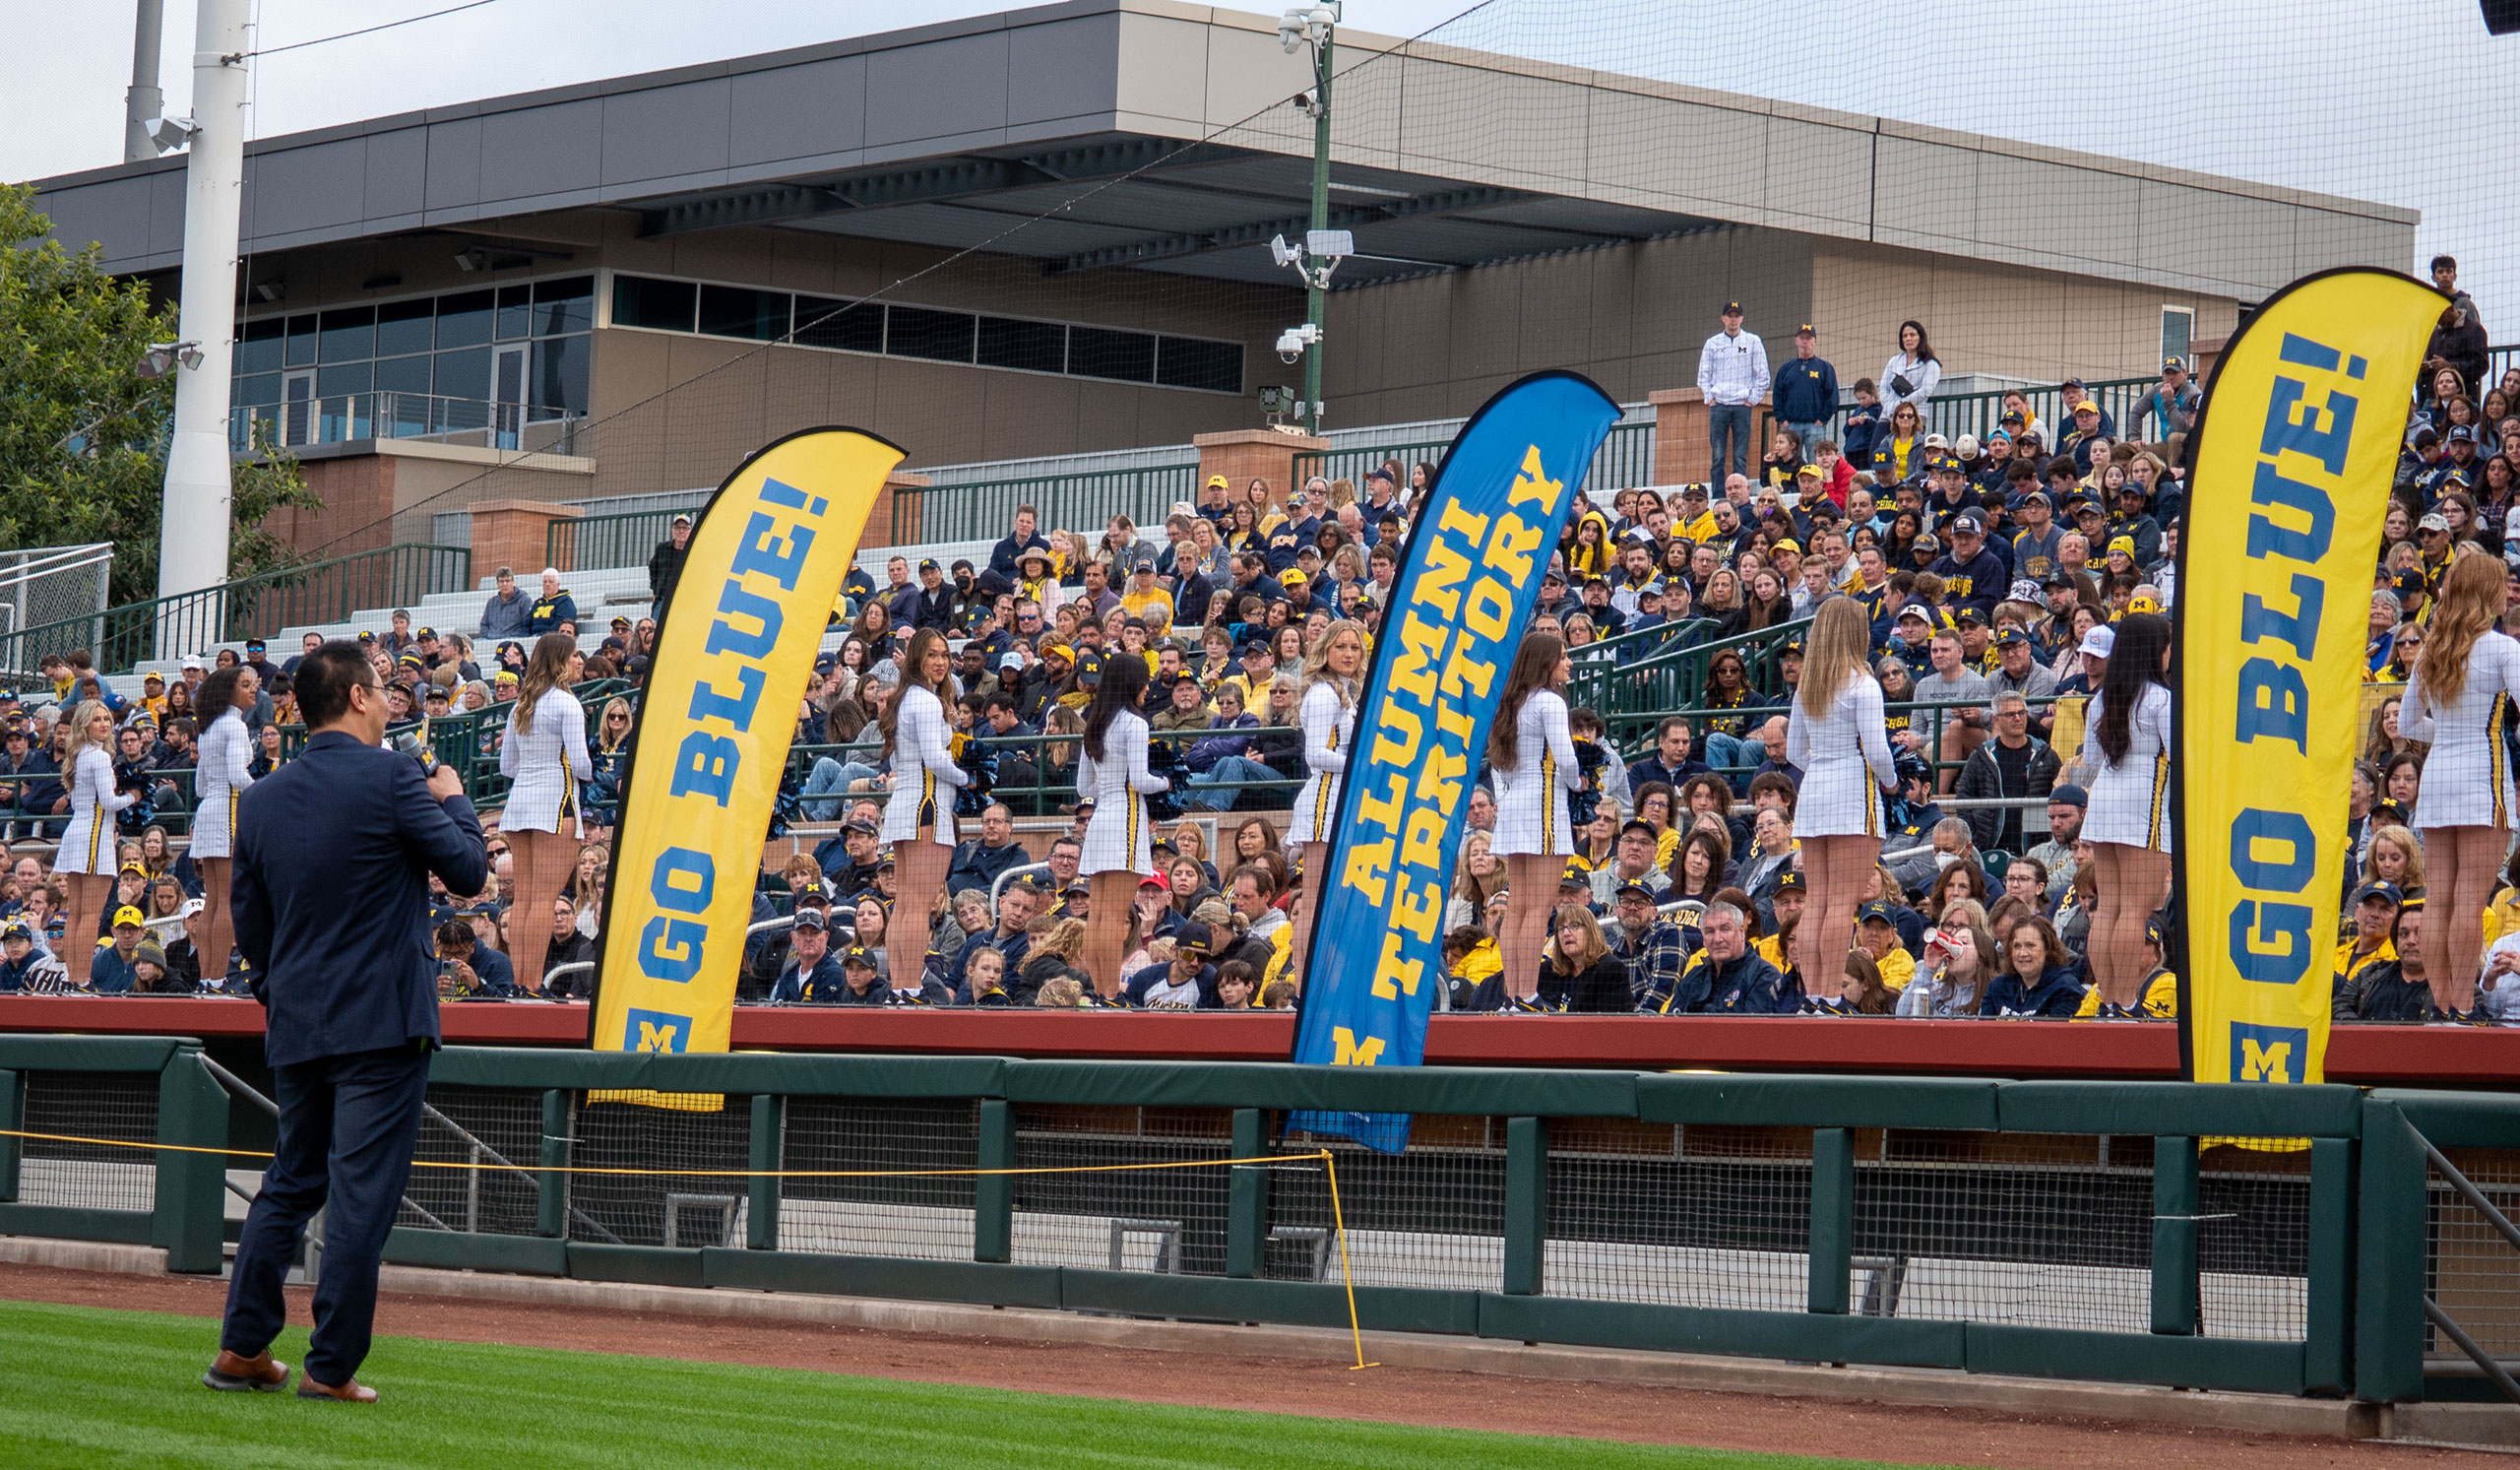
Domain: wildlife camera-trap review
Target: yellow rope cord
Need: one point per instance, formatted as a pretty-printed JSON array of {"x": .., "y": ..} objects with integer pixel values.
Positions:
[{"x": 1338, "y": 1217}]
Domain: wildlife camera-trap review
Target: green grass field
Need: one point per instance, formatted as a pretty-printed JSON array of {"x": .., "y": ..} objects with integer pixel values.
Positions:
[{"x": 89, "y": 1387}]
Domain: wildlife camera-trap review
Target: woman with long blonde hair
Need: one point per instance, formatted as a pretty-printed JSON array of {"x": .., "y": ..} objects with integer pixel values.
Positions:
[
  {"x": 88, "y": 857},
  {"x": 1836, "y": 733},
  {"x": 1533, "y": 753},
  {"x": 2459, "y": 697},
  {"x": 1331, "y": 670},
  {"x": 918, "y": 817},
  {"x": 545, "y": 757}
]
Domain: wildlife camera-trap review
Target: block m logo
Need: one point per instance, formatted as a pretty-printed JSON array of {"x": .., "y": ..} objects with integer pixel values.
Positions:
[
  {"x": 657, "y": 1031},
  {"x": 1351, "y": 1053},
  {"x": 2268, "y": 1054}
]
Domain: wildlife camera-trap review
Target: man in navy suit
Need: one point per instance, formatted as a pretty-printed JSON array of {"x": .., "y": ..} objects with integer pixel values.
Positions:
[{"x": 331, "y": 896}]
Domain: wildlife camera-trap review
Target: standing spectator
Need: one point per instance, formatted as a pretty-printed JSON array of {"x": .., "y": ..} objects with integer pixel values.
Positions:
[
  {"x": 2015, "y": 765},
  {"x": 1912, "y": 372},
  {"x": 554, "y": 607},
  {"x": 665, "y": 563},
  {"x": 1805, "y": 396},
  {"x": 1733, "y": 373}
]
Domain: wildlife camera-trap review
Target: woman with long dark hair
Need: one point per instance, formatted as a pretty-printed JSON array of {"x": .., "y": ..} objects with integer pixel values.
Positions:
[
  {"x": 1119, "y": 844},
  {"x": 545, "y": 757},
  {"x": 225, "y": 757},
  {"x": 918, "y": 819},
  {"x": 1533, "y": 753},
  {"x": 1328, "y": 716},
  {"x": 1835, "y": 733},
  {"x": 1912, "y": 372},
  {"x": 2128, "y": 746},
  {"x": 2460, "y": 699}
]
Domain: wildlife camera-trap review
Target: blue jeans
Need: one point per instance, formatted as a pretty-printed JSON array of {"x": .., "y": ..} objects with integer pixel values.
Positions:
[
  {"x": 1727, "y": 422},
  {"x": 827, "y": 787},
  {"x": 1724, "y": 751},
  {"x": 1215, "y": 791},
  {"x": 1805, "y": 434}
]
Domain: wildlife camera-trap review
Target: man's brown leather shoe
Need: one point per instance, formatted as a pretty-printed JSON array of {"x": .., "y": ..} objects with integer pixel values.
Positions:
[
  {"x": 349, "y": 1392},
  {"x": 232, "y": 1374}
]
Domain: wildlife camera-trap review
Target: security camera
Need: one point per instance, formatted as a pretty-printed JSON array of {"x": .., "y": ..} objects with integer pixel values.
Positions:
[
  {"x": 1292, "y": 341},
  {"x": 1308, "y": 103}
]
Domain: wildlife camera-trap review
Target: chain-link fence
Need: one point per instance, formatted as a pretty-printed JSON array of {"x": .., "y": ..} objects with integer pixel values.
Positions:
[
  {"x": 915, "y": 1215},
  {"x": 117, "y": 1106}
]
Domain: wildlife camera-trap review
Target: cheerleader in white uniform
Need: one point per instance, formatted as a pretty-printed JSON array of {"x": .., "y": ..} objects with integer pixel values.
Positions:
[
  {"x": 2460, "y": 697},
  {"x": 544, "y": 756},
  {"x": 2128, "y": 744},
  {"x": 1533, "y": 753},
  {"x": 919, "y": 817},
  {"x": 221, "y": 777},
  {"x": 1835, "y": 733},
  {"x": 86, "y": 852},
  {"x": 1120, "y": 846},
  {"x": 1328, "y": 719}
]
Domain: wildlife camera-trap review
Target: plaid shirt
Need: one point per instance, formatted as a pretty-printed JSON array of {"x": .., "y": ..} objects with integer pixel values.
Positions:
[{"x": 1652, "y": 960}]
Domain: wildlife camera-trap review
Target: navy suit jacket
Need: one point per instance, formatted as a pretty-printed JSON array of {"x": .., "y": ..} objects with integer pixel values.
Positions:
[{"x": 331, "y": 896}]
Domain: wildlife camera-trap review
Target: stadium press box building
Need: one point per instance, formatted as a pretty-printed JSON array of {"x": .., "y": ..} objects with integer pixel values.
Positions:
[{"x": 1063, "y": 216}]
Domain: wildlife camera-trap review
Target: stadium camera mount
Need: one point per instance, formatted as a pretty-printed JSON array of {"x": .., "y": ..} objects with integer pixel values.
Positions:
[
  {"x": 1292, "y": 341},
  {"x": 1306, "y": 25}
]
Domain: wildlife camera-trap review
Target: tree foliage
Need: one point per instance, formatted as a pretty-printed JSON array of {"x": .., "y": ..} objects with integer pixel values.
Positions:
[{"x": 83, "y": 436}]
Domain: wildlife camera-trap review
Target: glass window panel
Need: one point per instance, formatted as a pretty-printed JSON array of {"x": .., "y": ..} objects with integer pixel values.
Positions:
[
  {"x": 301, "y": 339},
  {"x": 1100, "y": 353},
  {"x": 1039, "y": 347},
  {"x": 464, "y": 373},
  {"x": 851, "y": 326},
  {"x": 464, "y": 319},
  {"x": 916, "y": 332},
  {"x": 1189, "y": 362},
  {"x": 403, "y": 374},
  {"x": 349, "y": 335},
  {"x": 516, "y": 311},
  {"x": 639, "y": 301},
  {"x": 405, "y": 327},
  {"x": 260, "y": 388},
  {"x": 260, "y": 349},
  {"x": 347, "y": 377},
  {"x": 561, "y": 376},
  {"x": 566, "y": 305},
  {"x": 736, "y": 312}
]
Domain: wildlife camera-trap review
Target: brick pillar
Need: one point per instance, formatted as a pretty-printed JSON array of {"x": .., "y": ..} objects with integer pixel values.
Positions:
[
  {"x": 1682, "y": 453},
  {"x": 898, "y": 507},
  {"x": 1242, "y": 455},
  {"x": 515, "y": 534}
]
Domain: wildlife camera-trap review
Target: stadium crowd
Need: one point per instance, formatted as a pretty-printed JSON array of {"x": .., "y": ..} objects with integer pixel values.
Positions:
[{"x": 1968, "y": 800}]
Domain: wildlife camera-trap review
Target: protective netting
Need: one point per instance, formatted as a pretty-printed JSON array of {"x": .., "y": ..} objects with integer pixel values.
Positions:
[
  {"x": 483, "y": 1127},
  {"x": 915, "y": 1217},
  {"x": 1430, "y": 1216},
  {"x": 1701, "y": 1216},
  {"x": 122, "y": 1107},
  {"x": 2254, "y": 1243},
  {"x": 659, "y": 1209},
  {"x": 2472, "y": 1271},
  {"x": 1135, "y": 1220}
]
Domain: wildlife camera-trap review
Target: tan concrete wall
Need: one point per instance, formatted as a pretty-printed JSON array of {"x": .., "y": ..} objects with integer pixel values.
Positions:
[
  {"x": 1631, "y": 317},
  {"x": 1994, "y": 318}
]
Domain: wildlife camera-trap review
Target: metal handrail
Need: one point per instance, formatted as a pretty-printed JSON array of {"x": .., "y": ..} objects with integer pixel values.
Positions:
[{"x": 982, "y": 509}]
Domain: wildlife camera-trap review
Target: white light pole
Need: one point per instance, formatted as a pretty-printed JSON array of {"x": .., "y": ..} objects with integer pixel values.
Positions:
[{"x": 192, "y": 540}]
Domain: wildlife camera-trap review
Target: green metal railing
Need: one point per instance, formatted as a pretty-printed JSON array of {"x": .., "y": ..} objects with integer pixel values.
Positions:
[
  {"x": 1624, "y": 460},
  {"x": 602, "y": 542},
  {"x": 2095, "y": 1230},
  {"x": 1981, "y": 414},
  {"x": 983, "y": 510},
  {"x": 314, "y": 592},
  {"x": 1634, "y": 677}
]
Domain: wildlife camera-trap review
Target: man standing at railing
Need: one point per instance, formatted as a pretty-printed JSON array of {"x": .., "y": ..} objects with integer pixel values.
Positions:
[
  {"x": 333, "y": 852},
  {"x": 1733, "y": 375},
  {"x": 1805, "y": 392},
  {"x": 665, "y": 563}
]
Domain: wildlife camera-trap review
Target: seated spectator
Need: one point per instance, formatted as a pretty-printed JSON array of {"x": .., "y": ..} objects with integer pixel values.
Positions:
[
  {"x": 2372, "y": 945},
  {"x": 1052, "y": 955},
  {"x": 979, "y": 861},
  {"x": 475, "y": 970},
  {"x": 1265, "y": 938},
  {"x": 2038, "y": 976},
  {"x": 2014, "y": 766},
  {"x": 1958, "y": 967},
  {"x": 1183, "y": 980},
  {"x": 1876, "y": 932},
  {"x": 987, "y": 977},
  {"x": 1859, "y": 991},
  {"x": 111, "y": 972},
  {"x": 1650, "y": 948},
  {"x": 812, "y": 975},
  {"x": 1579, "y": 973}
]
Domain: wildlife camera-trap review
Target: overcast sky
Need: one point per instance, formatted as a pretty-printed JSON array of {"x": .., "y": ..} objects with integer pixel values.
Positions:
[{"x": 2396, "y": 103}]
